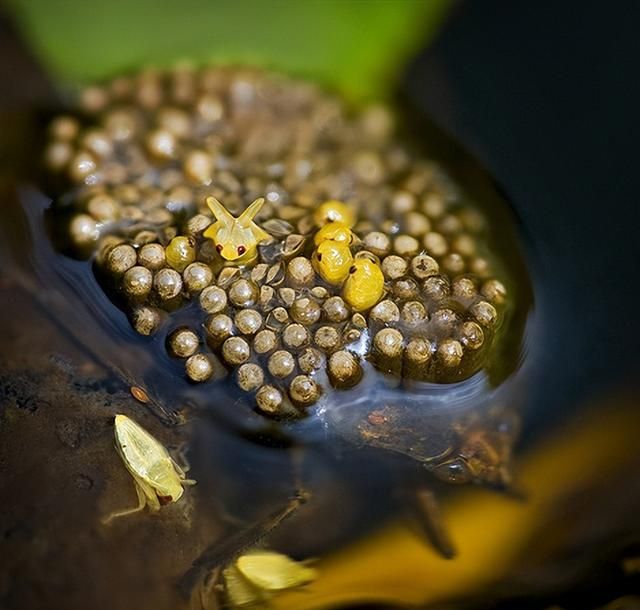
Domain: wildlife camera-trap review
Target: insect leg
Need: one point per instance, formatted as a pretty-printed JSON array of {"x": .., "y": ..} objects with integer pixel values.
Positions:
[
  {"x": 301, "y": 494},
  {"x": 142, "y": 502},
  {"x": 182, "y": 470},
  {"x": 208, "y": 596},
  {"x": 428, "y": 513},
  {"x": 221, "y": 552}
]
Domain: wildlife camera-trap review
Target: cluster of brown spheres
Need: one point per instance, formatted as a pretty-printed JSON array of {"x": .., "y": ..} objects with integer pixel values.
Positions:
[{"x": 142, "y": 153}]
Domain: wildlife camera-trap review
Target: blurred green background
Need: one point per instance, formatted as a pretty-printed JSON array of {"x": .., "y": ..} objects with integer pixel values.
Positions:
[{"x": 357, "y": 47}]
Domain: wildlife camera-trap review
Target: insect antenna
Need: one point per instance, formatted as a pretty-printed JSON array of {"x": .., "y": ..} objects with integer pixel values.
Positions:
[{"x": 220, "y": 553}]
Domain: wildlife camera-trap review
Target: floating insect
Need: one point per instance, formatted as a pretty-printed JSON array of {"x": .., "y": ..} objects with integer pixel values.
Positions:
[
  {"x": 157, "y": 477},
  {"x": 255, "y": 576},
  {"x": 236, "y": 239},
  {"x": 364, "y": 285}
]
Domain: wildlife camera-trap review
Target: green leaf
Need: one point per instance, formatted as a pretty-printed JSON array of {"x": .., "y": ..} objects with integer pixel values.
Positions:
[{"x": 355, "y": 46}]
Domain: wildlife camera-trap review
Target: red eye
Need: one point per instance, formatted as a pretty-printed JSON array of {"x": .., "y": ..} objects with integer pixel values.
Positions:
[
  {"x": 219, "y": 248},
  {"x": 241, "y": 250}
]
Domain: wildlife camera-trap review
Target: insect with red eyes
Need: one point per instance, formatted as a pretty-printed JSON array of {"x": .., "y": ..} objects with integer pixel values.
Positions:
[{"x": 236, "y": 239}]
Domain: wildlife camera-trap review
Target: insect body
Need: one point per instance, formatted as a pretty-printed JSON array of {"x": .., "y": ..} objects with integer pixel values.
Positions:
[
  {"x": 256, "y": 575},
  {"x": 332, "y": 258},
  {"x": 236, "y": 239},
  {"x": 334, "y": 211},
  {"x": 335, "y": 231},
  {"x": 157, "y": 477},
  {"x": 364, "y": 285}
]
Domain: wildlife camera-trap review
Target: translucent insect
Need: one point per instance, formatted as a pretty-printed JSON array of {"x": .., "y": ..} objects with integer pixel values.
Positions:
[
  {"x": 253, "y": 577},
  {"x": 236, "y": 239},
  {"x": 334, "y": 211},
  {"x": 157, "y": 477},
  {"x": 364, "y": 285}
]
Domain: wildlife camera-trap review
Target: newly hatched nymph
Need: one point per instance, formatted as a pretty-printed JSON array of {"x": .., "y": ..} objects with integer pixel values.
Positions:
[
  {"x": 332, "y": 257},
  {"x": 157, "y": 477},
  {"x": 257, "y": 575},
  {"x": 236, "y": 239},
  {"x": 364, "y": 285}
]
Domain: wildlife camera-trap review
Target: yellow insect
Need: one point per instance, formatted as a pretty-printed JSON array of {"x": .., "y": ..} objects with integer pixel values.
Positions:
[
  {"x": 157, "y": 477},
  {"x": 334, "y": 211},
  {"x": 332, "y": 260},
  {"x": 255, "y": 576},
  {"x": 364, "y": 285},
  {"x": 335, "y": 231},
  {"x": 236, "y": 239}
]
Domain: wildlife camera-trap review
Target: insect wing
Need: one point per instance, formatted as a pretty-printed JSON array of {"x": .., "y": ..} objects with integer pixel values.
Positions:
[
  {"x": 140, "y": 451},
  {"x": 273, "y": 571}
]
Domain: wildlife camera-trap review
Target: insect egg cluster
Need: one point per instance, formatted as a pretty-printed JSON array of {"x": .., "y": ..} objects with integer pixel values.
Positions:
[{"x": 357, "y": 254}]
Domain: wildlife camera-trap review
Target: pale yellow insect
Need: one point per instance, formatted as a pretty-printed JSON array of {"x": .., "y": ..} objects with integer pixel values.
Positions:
[
  {"x": 257, "y": 575},
  {"x": 236, "y": 239},
  {"x": 158, "y": 479}
]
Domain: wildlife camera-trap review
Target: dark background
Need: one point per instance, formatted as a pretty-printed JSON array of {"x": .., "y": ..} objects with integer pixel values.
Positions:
[{"x": 546, "y": 95}]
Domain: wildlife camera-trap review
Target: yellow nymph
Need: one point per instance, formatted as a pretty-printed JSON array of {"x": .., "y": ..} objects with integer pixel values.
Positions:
[
  {"x": 336, "y": 231},
  {"x": 364, "y": 285},
  {"x": 334, "y": 211},
  {"x": 236, "y": 239},
  {"x": 157, "y": 477},
  {"x": 332, "y": 260},
  {"x": 258, "y": 574}
]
